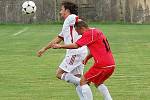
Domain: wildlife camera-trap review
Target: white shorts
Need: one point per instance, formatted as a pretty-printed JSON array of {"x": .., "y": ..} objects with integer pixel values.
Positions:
[{"x": 73, "y": 64}]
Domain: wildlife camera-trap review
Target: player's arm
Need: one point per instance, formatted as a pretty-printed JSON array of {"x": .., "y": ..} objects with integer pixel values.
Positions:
[
  {"x": 54, "y": 41},
  {"x": 65, "y": 46},
  {"x": 49, "y": 45}
]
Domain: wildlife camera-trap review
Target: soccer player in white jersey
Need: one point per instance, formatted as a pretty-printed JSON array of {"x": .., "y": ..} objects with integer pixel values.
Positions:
[{"x": 71, "y": 67}]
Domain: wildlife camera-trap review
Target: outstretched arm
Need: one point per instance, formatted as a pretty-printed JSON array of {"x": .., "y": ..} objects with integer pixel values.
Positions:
[
  {"x": 49, "y": 45},
  {"x": 67, "y": 46}
]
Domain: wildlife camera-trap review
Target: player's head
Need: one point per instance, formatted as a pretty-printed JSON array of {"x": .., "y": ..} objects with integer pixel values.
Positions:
[
  {"x": 68, "y": 8},
  {"x": 81, "y": 26}
]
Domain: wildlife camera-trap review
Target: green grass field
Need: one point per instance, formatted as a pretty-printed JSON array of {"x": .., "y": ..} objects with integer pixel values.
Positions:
[{"x": 24, "y": 76}]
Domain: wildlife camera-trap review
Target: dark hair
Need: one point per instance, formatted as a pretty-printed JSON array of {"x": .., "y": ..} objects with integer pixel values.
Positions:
[
  {"x": 72, "y": 7},
  {"x": 80, "y": 24}
]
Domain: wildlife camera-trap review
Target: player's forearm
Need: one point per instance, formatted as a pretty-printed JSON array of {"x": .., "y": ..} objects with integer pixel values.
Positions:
[
  {"x": 54, "y": 41},
  {"x": 70, "y": 46}
]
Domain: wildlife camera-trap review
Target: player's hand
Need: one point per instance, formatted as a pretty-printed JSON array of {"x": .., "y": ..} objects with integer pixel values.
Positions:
[
  {"x": 40, "y": 52},
  {"x": 56, "y": 46}
]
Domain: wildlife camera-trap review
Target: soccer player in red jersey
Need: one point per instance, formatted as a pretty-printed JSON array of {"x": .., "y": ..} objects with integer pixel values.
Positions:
[{"x": 99, "y": 48}]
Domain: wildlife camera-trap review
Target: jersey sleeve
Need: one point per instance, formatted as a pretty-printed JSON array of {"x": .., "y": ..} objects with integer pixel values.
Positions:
[
  {"x": 86, "y": 39},
  {"x": 64, "y": 28},
  {"x": 72, "y": 19},
  {"x": 69, "y": 21},
  {"x": 60, "y": 35}
]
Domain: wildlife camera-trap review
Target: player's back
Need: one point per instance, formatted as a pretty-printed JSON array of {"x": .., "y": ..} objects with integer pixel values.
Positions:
[{"x": 100, "y": 49}]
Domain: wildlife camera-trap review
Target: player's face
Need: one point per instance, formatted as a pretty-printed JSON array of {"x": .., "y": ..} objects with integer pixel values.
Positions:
[{"x": 63, "y": 12}]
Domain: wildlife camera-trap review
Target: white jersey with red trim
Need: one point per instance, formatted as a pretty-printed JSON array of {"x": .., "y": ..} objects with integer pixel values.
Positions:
[{"x": 69, "y": 35}]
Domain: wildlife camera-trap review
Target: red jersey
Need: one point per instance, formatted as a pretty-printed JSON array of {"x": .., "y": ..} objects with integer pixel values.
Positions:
[{"x": 99, "y": 47}]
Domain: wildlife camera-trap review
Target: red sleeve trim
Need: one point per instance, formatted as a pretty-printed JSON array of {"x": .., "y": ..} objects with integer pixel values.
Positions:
[
  {"x": 71, "y": 28},
  {"x": 77, "y": 20},
  {"x": 61, "y": 37}
]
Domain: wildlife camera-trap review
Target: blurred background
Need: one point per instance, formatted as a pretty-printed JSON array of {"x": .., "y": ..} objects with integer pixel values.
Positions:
[
  {"x": 24, "y": 76},
  {"x": 132, "y": 11}
]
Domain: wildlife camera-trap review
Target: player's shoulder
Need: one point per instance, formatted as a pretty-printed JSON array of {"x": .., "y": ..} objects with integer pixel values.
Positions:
[
  {"x": 97, "y": 31},
  {"x": 93, "y": 31},
  {"x": 71, "y": 17}
]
